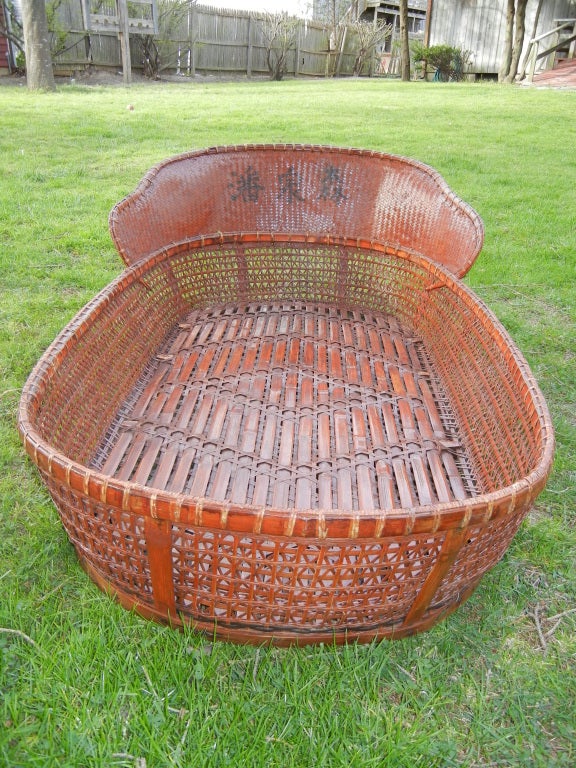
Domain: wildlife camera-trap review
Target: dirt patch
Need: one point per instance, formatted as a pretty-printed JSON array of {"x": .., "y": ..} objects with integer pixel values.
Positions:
[{"x": 97, "y": 78}]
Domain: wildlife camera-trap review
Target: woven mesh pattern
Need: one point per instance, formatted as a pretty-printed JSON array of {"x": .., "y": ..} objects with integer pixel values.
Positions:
[
  {"x": 278, "y": 583},
  {"x": 482, "y": 549},
  {"x": 111, "y": 540},
  {"x": 314, "y": 439},
  {"x": 298, "y": 189}
]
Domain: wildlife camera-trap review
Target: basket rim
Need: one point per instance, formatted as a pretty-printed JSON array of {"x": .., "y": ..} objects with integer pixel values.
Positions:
[
  {"x": 314, "y": 523},
  {"x": 149, "y": 177}
]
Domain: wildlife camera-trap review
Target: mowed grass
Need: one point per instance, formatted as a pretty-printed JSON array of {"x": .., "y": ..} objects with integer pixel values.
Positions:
[{"x": 85, "y": 683}]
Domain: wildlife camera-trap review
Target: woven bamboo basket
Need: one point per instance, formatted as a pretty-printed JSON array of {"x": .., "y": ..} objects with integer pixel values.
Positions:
[{"x": 287, "y": 437}]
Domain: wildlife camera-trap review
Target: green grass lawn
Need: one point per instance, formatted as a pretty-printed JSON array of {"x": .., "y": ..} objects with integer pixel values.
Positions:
[{"x": 85, "y": 683}]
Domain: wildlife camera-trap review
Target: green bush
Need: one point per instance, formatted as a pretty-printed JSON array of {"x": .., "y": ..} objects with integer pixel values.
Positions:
[{"x": 447, "y": 61}]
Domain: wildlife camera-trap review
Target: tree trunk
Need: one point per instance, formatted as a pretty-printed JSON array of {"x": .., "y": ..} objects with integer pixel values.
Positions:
[
  {"x": 518, "y": 39},
  {"x": 39, "y": 74},
  {"x": 507, "y": 57},
  {"x": 532, "y": 36},
  {"x": 404, "y": 41}
]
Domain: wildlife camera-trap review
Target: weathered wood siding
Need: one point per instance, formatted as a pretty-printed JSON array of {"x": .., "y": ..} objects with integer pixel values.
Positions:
[{"x": 479, "y": 26}]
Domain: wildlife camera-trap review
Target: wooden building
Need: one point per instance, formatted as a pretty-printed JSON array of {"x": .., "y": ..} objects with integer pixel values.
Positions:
[
  {"x": 479, "y": 27},
  {"x": 388, "y": 12},
  {"x": 476, "y": 26},
  {"x": 334, "y": 12},
  {"x": 4, "y": 46}
]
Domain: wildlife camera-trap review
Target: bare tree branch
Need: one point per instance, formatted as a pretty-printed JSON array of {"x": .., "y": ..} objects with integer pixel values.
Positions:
[
  {"x": 369, "y": 35},
  {"x": 280, "y": 32}
]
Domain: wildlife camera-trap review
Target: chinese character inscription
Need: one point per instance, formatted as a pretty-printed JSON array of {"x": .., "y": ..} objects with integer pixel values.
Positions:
[
  {"x": 246, "y": 186},
  {"x": 330, "y": 185},
  {"x": 289, "y": 186}
]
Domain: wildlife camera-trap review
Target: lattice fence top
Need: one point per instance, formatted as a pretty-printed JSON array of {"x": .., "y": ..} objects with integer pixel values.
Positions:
[{"x": 106, "y": 16}]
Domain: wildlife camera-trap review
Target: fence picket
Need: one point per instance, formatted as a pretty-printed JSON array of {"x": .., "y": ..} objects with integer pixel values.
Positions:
[{"x": 204, "y": 41}]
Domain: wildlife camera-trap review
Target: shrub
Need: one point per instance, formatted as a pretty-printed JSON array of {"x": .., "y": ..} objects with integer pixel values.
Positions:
[{"x": 448, "y": 61}]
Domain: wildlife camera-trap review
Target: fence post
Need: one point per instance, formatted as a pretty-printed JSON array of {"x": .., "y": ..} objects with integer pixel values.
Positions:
[
  {"x": 250, "y": 48},
  {"x": 192, "y": 40},
  {"x": 341, "y": 49},
  {"x": 533, "y": 55},
  {"x": 327, "y": 63},
  {"x": 124, "y": 36},
  {"x": 86, "y": 21}
]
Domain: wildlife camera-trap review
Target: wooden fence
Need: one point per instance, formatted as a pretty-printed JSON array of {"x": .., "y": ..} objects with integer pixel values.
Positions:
[{"x": 203, "y": 40}]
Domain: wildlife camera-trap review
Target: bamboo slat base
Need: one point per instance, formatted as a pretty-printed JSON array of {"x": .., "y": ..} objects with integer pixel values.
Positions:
[{"x": 293, "y": 406}]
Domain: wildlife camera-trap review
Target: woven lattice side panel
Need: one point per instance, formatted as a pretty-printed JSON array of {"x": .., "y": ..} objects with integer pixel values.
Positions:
[
  {"x": 487, "y": 384},
  {"x": 344, "y": 275},
  {"x": 303, "y": 585},
  {"x": 483, "y": 548},
  {"x": 100, "y": 356},
  {"x": 110, "y": 540}
]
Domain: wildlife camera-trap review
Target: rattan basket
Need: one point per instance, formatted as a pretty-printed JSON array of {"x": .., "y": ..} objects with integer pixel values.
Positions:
[{"x": 288, "y": 437}]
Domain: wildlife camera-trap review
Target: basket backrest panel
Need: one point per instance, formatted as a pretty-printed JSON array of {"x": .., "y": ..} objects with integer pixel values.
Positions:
[{"x": 311, "y": 190}]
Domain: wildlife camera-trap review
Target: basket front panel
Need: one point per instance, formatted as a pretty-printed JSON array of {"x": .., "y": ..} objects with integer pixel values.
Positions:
[{"x": 300, "y": 585}]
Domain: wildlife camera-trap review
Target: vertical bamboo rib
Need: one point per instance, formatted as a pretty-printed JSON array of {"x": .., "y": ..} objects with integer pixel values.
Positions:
[
  {"x": 159, "y": 545},
  {"x": 448, "y": 554}
]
